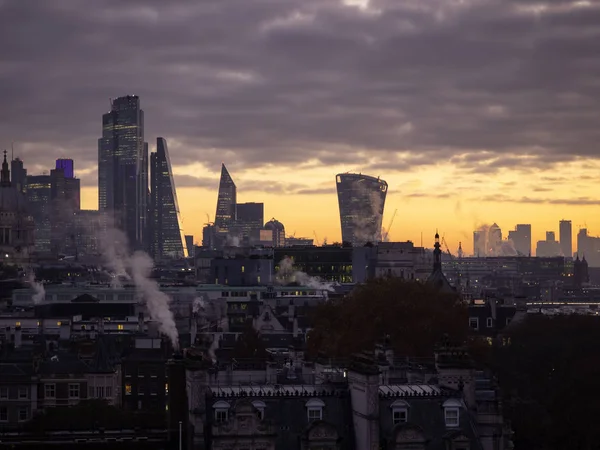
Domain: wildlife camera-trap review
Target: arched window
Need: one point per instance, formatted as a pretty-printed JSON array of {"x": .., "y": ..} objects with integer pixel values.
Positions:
[
  {"x": 399, "y": 411},
  {"x": 314, "y": 409},
  {"x": 260, "y": 408},
  {"x": 221, "y": 411},
  {"x": 452, "y": 412}
]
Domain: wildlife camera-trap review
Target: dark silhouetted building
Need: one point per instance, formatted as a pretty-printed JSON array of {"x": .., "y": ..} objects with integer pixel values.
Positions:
[
  {"x": 278, "y": 232},
  {"x": 87, "y": 228},
  {"x": 189, "y": 243},
  {"x": 521, "y": 238},
  {"x": 548, "y": 248},
  {"x": 67, "y": 166},
  {"x": 39, "y": 196},
  {"x": 361, "y": 201},
  {"x": 166, "y": 237},
  {"x": 65, "y": 195},
  {"x": 249, "y": 220},
  {"x": 565, "y": 235},
  {"x": 588, "y": 247},
  {"x": 123, "y": 168},
  {"x": 329, "y": 263},
  {"x": 226, "y": 202},
  {"x": 18, "y": 174}
]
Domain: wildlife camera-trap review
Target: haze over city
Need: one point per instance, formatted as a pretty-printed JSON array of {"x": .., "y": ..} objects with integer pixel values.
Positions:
[{"x": 474, "y": 112}]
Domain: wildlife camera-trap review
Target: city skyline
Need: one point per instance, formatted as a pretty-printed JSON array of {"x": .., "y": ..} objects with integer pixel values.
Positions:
[{"x": 458, "y": 147}]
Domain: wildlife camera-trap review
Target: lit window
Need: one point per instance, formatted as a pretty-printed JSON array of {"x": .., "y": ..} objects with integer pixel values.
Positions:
[
  {"x": 58, "y": 324},
  {"x": 50, "y": 390},
  {"x": 17, "y": 324},
  {"x": 128, "y": 389},
  {"x": 166, "y": 388},
  {"x": 243, "y": 269},
  {"x": 73, "y": 390},
  {"x": 258, "y": 279},
  {"x": 314, "y": 409},
  {"x": 221, "y": 411},
  {"x": 451, "y": 412},
  {"x": 120, "y": 327},
  {"x": 399, "y": 412}
]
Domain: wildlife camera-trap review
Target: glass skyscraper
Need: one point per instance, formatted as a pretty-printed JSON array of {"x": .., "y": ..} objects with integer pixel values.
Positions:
[
  {"x": 123, "y": 169},
  {"x": 39, "y": 196},
  {"x": 166, "y": 235},
  {"x": 361, "y": 200},
  {"x": 226, "y": 201},
  {"x": 67, "y": 166}
]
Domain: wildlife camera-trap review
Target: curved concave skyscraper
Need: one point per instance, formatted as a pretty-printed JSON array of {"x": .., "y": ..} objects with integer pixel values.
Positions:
[
  {"x": 361, "y": 199},
  {"x": 226, "y": 201}
]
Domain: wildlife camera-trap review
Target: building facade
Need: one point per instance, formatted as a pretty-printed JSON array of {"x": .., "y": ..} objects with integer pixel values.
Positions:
[
  {"x": 521, "y": 238},
  {"x": 166, "y": 235},
  {"x": 123, "y": 169},
  {"x": 39, "y": 196},
  {"x": 361, "y": 201},
  {"x": 226, "y": 202},
  {"x": 249, "y": 221},
  {"x": 65, "y": 198},
  {"x": 565, "y": 236}
]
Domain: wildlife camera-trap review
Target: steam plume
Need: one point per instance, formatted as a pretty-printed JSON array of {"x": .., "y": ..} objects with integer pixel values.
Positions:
[
  {"x": 157, "y": 302},
  {"x": 488, "y": 242},
  {"x": 288, "y": 274},
  {"x": 115, "y": 252},
  {"x": 198, "y": 305},
  {"x": 40, "y": 292}
]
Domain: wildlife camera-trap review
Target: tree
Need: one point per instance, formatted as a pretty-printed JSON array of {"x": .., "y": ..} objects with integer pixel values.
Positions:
[
  {"x": 414, "y": 315},
  {"x": 548, "y": 374},
  {"x": 249, "y": 344}
]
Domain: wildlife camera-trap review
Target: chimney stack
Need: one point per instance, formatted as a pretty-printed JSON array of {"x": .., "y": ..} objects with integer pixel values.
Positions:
[{"x": 18, "y": 336}]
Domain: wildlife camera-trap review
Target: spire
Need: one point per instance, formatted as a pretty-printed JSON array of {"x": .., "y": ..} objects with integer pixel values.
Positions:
[
  {"x": 5, "y": 175},
  {"x": 437, "y": 254}
]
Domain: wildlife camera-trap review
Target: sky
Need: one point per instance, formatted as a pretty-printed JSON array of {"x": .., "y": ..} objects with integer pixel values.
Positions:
[{"x": 473, "y": 111}]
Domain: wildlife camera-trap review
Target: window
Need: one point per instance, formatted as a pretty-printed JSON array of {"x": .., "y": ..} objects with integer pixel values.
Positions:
[
  {"x": 73, "y": 390},
  {"x": 399, "y": 412},
  {"x": 23, "y": 414},
  {"x": 99, "y": 391},
  {"x": 128, "y": 389},
  {"x": 260, "y": 409},
  {"x": 166, "y": 388},
  {"x": 50, "y": 390},
  {"x": 108, "y": 391},
  {"x": 120, "y": 327},
  {"x": 474, "y": 323},
  {"x": 3, "y": 414},
  {"x": 221, "y": 411},
  {"x": 314, "y": 409},
  {"x": 489, "y": 322},
  {"x": 3, "y": 392},
  {"x": 507, "y": 320},
  {"x": 23, "y": 392},
  {"x": 451, "y": 412}
]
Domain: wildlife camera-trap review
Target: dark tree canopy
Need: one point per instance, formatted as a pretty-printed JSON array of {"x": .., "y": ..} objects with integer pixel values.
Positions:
[
  {"x": 249, "y": 344},
  {"x": 414, "y": 315},
  {"x": 549, "y": 375}
]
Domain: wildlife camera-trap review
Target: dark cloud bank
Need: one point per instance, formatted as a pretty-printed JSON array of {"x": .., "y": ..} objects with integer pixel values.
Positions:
[{"x": 484, "y": 84}]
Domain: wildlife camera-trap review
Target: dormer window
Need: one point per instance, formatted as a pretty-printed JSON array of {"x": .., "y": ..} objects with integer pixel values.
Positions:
[
  {"x": 260, "y": 409},
  {"x": 221, "y": 411},
  {"x": 399, "y": 412},
  {"x": 314, "y": 409},
  {"x": 452, "y": 413}
]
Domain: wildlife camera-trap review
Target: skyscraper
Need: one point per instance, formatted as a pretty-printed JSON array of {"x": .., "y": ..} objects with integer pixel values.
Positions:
[
  {"x": 521, "y": 238},
  {"x": 19, "y": 174},
  {"x": 361, "y": 200},
  {"x": 65, "y": 203},
  {"x": 39, "y": 195},
  {"x": 250, "y": 218},
  {"x": 226, "y": 201},
  {"x": 565, "y": 236},
  {"x": 67, "y": 166},
  {"x": 123, "y": 168},
  {"x": 166, "y": 236}
]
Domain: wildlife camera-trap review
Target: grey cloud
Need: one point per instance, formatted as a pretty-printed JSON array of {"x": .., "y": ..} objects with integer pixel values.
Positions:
[
  {"x": 287, "y": 82},
  {"x": 580, "y": 201}
]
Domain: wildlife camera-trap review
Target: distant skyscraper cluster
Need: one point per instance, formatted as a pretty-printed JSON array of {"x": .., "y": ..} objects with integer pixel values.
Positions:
[
  {"x": 361, "y": 201},
  {"x": 487, "y": 241},
  {"x": 149, "y": 218}
]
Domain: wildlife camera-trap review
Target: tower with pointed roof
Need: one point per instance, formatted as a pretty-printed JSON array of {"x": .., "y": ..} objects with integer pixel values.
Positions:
[
  {"x": 226, "y": 201},
  {"x": 437, "y": 278}
]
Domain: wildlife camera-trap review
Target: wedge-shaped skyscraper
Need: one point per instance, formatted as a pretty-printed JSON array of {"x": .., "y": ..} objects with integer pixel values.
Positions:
[
  {"x": 225, "y": 215},
  {"x": 361, "y": 199},
  {"x": 167, "y": 238}
]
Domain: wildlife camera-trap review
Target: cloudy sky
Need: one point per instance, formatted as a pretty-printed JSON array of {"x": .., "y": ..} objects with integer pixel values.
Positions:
[{"x": 474, "y": 111}]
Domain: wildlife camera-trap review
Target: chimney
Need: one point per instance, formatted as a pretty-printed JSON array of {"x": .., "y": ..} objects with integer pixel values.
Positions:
[
  {"x": 18, "y": 336},
  {"x": 141, "y": 322}
]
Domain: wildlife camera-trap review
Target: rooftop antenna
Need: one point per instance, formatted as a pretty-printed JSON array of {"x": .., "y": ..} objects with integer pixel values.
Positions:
[
  {"x": 12, "y": 151},
  {"x": 421, "y": 239}
]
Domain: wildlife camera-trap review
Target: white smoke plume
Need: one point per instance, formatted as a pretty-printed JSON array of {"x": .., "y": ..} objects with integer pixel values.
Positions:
[
  {"x": 40, "y": 292},
  {"x": 287, "y": 273},
  {"x": 157, "y": 302},
  {"x": 212, "y": 350},
  {"x": 198, "y": 305},
  {"x": 115, "y": 252},
  {"x": 232, "y": 241},
  {"x": 139, "y": 265},
  {"x": 489, "y": 242}
]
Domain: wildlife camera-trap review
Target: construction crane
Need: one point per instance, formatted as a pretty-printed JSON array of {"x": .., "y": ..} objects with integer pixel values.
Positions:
[
  {"x": 446, "y": 247},
  {"x": 387, "y": 232},
  {"x": 316, "y": 238}
]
